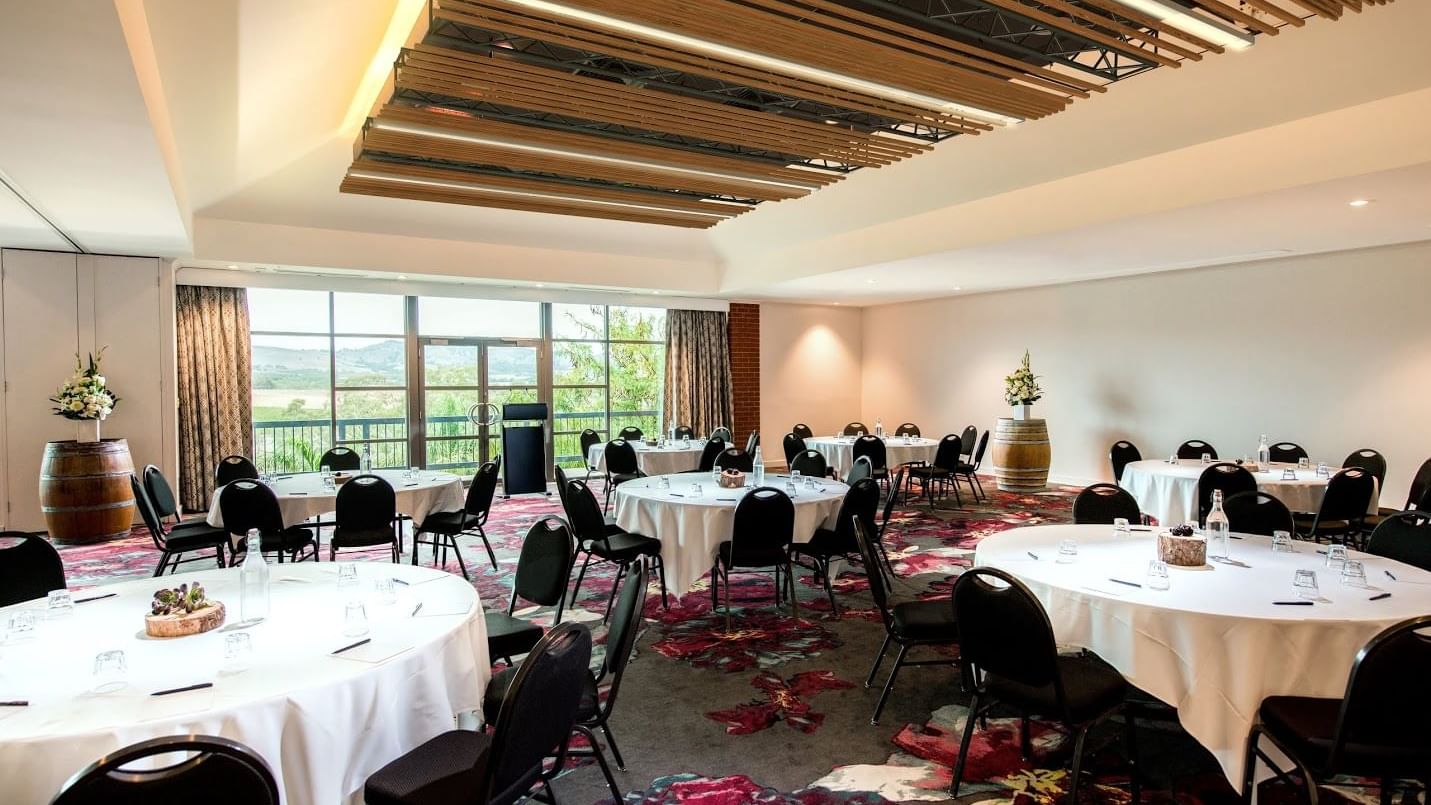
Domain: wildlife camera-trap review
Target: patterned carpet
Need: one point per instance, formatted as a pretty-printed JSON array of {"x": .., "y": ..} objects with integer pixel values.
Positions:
[{"x": 775, "y": 711}]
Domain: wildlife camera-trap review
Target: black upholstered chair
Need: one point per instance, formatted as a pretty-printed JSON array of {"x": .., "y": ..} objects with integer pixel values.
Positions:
[
  {"x": 234, "y": 468},
  {"x": 685, "y": 432},
  {"x": 1101, "y": 503},
  {"x": 589, "y": 439},
  {"x": 855, "y": 429},
  {"x": 735, "y": 459},
  {"x": 341, "y": 459},
  {"x": 29, "y": 569},
  {"x": 1194, "y": 448},
  {"x": 161, "y": 497},
  {"x": 810, "y": 462},
  {"x": 803, "y": 431},
  {"x": 631, "y": 434},
  {"x": 248, "y": 504},
  {"x": 752, "y": 441},
  {"x": 203, "y": 768},
  {"x": 872, "y": 448},
  {"x": 445, "y": 527},
  {"x": 621, "y": 466},
  {"x": 1120, "y": 455},
  {"x": 561, "y": 484},
  {"x": 1223, "y": 476},
  {"x": 1405, "y": 537},
  {"x": 500, "y": 767},
  {"x": 1369, "y": 460},
  {"x": 723, "y": 433},
  {"x": 709, "y": 454},
  {"x": 1007, "y": 647},
  {"x": 1287, "y": 452},
  {"x": 596, "y": 541},
  {"x": 173, "y": 542},
  {"x": 891, "y": 498},
  {"x": 909, "y": 624},
  {"x": 860, "y": 470},
  {"x": 1254, "y": 512},
  {"x": 793, "y": 446},
  {"x": 947, "y": 458},
  {"x": 543, "y": 570},
  {"x": 967, "y": 439},
  {"x": 1344, "y": 507},
  {"x": 367, "y": 512},
  {"x": 1377, "y": 729},
  {"x": 969, "y": 470},
  {"x": 1419, "y": 495},
  {"x": 907, "y": 429},
  {"x": 861, "y": 501},
  {"x": 761, "y": 534}
]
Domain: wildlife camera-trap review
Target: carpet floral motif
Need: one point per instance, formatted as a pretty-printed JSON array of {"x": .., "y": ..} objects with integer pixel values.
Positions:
[
  {"x": 693, "y": 789},
  {"x": 758, "y": 637},
  {"x": 784, "y": 701}
]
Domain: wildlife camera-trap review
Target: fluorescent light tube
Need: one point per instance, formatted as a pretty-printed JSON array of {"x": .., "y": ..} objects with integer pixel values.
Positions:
[{"x": 1200, "y": 25}]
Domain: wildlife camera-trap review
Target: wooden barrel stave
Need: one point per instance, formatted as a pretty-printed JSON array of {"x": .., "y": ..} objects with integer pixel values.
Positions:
[
  {"x": 1021, "y": 455},
  {"x": 84, "y": 490}
]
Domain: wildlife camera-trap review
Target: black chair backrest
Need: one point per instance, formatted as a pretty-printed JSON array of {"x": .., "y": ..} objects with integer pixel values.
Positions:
[
  {"x": 1194, "y": 448},
  {"x": 583, "y": 513},
  {"x": 234, "y": 468},
  {"x": 685, "y": 432},
  {"x": 1101, "y": 503},
  {"x": 1120, "y": 455},
  {"x": 907, "y": 429},
  {"x": 1254, "y": 512},
  {"x": 1369, "y": 460},
  {"x": 764, "y": 519},
  {"x": 861, "y": 502},
  {"x": 979, "y": 453},
  {"x": 1224, "y": 476},
  {"x": 1387, "y": 702},
  {"x": 1419, "y": 496},
  {"x": 214, "y": 770},
  {"x": 712, "y": 450},
  {"x": 631, "y": 433},
  {"x": 946, "y": 455},
  {"x": 895, "y": 489},
  {"x": 1405, "y": 537},
  {"x": 161, "y": 495},
  {"x": 793, "y": 445},
  {"x": 1348, "y": 495},
  {"x": 621, "y": 457},
  {"x": 721, "y": 432},
  {"x": 1287, "y": 452},
  {"x": 735, "y": 459},
  {"x": 1004, "y": 630},
  {"x": 246, "y": 504},
  {"x": 810, "y": 462},
  {"x": 625, "y": 627},
  {"x": 871, "y": 447},
  {"x": 967, "y": 439},
  {"x": 752, "y": 442},
  {"x": 860, "y": 470},
  {"x": 538, "y": 712},
  {"x": 147, "y": 512},
  {"x": 561, "y": 481},
  {"x": 803, "y": 431},
  {"x": 855, "y": 429},
  {"x": 544, "y": 565},
  {"x": 482, "y": 490},
  {"x": 29, "y": 569},
  {"x": 366, "y": 502},
  {"x": 589, "y": 438},
  {"x": 341, "y": 458},
  {"x": 869, "y": 557}
]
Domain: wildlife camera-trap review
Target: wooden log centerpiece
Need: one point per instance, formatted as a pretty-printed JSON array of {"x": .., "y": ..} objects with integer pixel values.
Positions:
[{"x": 183, "y": 611}]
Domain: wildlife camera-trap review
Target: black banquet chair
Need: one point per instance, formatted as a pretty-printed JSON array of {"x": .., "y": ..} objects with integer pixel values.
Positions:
[
  {"x": 598, "y": 541},
  {"x": 29, "y": 569},
  {"x": 709, "y": 454},
  {"x": 1287, "y": 452},
  {"x": 500, "y": 767},
  {"x": 735, "y": 459},
  {"x": 966, "y": 441},
  {"x": 1120, "y": 455},
  {"x": 589, "y": 439},
  {"x": 1344, "y": 506},
  {"x": 872, "y": 448},
  {"x": 752, "y": 442},
  {"x": 969, "y": 470},
  {"x": 367, "y": 512},
  {"x": 1404, "y": 537},
  {"x": 543, "y": 569},
  {"x": 213, "y": 770},
  {"x": 1256, "y": 512},
  {"x": 855, "y": 429},
  {"x": 1194, "y": 448},
  {"x": 234, "y": 468},
  {"x": 161, "y": 497},
  {"x": 721, "y": 432},
  {"x": 1419, "y": 494},
  {"x": 861, "y": 501},
  {"x": 1102, "y": 503},
  {"x": 941, "y": 473},
  {"x": 247, "y": 504},
  {"x": 685, "y": 432},
  {"x": 621, "y": 466},
  {"x": 811, "y": 463},
  {"x": 446, "y": 526},
  {"x": 861, "y": 469},
  {"x": 341, "y": 459},
  {"x": 1225, "y": 477},
  {"x": 631, "y": 434},
  {"x": 907, "y": 429},
  {"x": 761, "y": 534},
  {"x": 1377, "y": 729},
  {"x": 180, "y": 539},
  {"x": 803, "y": 431},
  {"x": 1370, "y": 460},
  {"x": 1006, "y": 644},
  {"x": 793, "y": 446}
]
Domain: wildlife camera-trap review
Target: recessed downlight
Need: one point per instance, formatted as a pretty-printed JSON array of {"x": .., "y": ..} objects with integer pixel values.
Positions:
[{"x": 1360, "y": 202}]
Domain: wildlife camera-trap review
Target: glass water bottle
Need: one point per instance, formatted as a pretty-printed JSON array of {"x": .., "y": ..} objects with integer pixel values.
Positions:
[
  {"x": 1218, "y": 529},
  {"x": 253, "y": 581}
]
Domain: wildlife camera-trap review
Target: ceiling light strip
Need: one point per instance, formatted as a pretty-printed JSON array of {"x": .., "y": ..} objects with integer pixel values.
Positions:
[{"x": 1194, "y": 23}]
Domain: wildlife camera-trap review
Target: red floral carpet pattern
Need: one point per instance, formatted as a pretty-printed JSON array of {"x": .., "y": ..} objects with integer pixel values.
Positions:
[{"x": 784, "y": 701}]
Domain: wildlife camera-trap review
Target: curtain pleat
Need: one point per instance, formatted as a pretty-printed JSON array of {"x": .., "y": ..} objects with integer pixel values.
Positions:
[
  {"x": 698, "y": 385},
  {"x": 215, "y": 386}
]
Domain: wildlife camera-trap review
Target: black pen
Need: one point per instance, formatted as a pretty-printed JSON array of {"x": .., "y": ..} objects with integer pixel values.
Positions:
[
  {"x": 184, "y": 689},
  {"x": 402, "y": 582},
  {"x": 1293, "y": 603},
  {"x": 674, "y": 495},
  {"x": 94, "y": 598},
  {"x": 1129, "y": 583},
  {"x": 416, "y": 610},
  {"x": 1140, "y": 528},
  {"x": 1379, "y": 597},
  {"x": 1388, "y": 575},
  {"x": 362, "y": 642},
  {"x": 15, "y": 703},
  {"x": 1032, "y": 555}
]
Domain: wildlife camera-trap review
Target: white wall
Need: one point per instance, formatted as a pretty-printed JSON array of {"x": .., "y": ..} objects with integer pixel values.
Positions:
[
  {"x": 1331, "y": 351},
  {"x": 810, "y": 362}
]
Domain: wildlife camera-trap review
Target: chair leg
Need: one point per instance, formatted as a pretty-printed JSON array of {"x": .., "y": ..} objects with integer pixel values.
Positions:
[
  {"x": 1249, "y": 766},
  {"x": 456, "y": 551},
  {"x": 1134, "y": 767},
  {"x": 611, "y": 742},
  {"x": 576, "y": 591},
  {"x": 1025, "y": 744},
  {"x": 416, "y": 544},
  {"x": 725, "y": 577},
  {"x": 487, "y": 544},
  {"x": 661, "y": 576},
  {"x": 889, "y": 683},
  {"x": 794, "y": 601},
  {"x": 715, "y": 584},
  {"x": 958, "y": 775},
  {"x": 879, "y": 658},
  {"x": 163, "y": 560},
  {"x": 1077, "y": 765},
  {"x": 600, "y": 760},
  {"x": 829, "y": 591},
  {"x": 616, "y": 585}
]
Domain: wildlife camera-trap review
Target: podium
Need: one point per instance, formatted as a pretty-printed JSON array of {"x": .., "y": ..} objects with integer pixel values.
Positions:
[{"x": 524, "y": 449}]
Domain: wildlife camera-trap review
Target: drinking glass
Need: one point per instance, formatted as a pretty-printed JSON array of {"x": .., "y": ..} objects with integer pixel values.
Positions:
[
  {"x": 859, "y": 434},
  {"x": 662, "y": 482},
  {"x": 1336, "y": 555},
  {"x": 1158, "y": 575},
  {"x": 413, "y": 473},
  {"x": 328, "y": 483},
  {"x": 715, "y": 475},
  {"x": 1067, "y": 552},
  {"x": 685, "y": 444},
  {"x": 1305, "y": 583},
  {"x": 238, "y": 650},
  {"x": 59, "y": 604},
  {"x": 1303, "y": 463},
  {"x": 695, "y": 490},
  {"x": 795, "y": 476},
  {"x": 347, "y": 575},
  {"x": 1322, "y": 471},
  {"x": 355, "y": 619},
  {"x": 1353, "y": 573},
  {"x": 20, "y": 626},
  {"x": 385, "y": 591},
  {"x": 1207, "y": 458},
  {"x": 790, "y": 488},
  {"x": 1289, "y": 474},
  {"x": 810, "y": 482},
  {"x": 1173, "y": 459},
  {"x": 1282, "y": 542},
  {"x": 110, "y": 670},
  {"x": 326, "y": 470},
  {"x": 1120, "y": 526}
]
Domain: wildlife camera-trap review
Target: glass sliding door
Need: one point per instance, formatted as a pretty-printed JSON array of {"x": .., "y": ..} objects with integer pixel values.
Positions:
[{"x": 459, "y": 373}]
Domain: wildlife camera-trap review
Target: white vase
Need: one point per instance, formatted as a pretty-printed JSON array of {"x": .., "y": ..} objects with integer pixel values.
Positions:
[
  {"x": 86, "y": 430},
  {"x": 1023, "y": 412}
]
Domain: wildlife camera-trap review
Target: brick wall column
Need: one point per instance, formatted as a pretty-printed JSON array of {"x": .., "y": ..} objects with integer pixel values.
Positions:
[{"x": 744, "y": 335}]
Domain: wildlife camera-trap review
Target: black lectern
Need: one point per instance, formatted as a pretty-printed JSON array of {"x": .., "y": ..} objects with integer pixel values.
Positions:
[{"x": 524, "y": 449}]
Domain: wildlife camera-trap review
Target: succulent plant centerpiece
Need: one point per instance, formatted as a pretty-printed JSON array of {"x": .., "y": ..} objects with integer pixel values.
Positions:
[{"x": 183, "y": 610}]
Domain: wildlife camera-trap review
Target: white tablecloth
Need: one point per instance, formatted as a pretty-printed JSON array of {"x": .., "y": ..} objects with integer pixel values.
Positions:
[
  {"x": 653, "y": 460},
  {"x": 302, "y": 496},
  {"x": 692, "y": 528},
  {"x": 839, "y": 451},
  {"x": 322, "y": 723},
  {"x": 1169, "y": 491},
  {"x": 1213, "y": 645}
]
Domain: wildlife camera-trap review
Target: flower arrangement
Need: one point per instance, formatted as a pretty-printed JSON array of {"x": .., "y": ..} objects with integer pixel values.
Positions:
[
  {"x": 84, "y": 395},
  {"x": 1021, "y": 387}
]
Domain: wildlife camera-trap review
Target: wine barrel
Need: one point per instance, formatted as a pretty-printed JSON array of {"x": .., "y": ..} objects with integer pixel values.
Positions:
[
  {"x": 85, "y": 492},
  {"x": 1021, "y": 454}
]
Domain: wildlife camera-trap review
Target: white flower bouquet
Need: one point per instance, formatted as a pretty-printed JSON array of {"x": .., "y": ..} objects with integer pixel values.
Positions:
[
  {"x": 84, "y": 395},
  {"x": 1021, "y": 387}
]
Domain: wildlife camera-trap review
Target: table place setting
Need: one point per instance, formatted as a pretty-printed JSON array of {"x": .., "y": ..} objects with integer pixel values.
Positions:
[{"x": 302, "y": 496}]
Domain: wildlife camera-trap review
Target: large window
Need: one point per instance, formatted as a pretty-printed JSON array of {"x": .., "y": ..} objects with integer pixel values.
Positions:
[{"x": 608, "y": 364}]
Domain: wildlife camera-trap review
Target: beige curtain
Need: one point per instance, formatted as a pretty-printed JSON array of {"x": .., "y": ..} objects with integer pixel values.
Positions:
[
  {"x": 698, "y": 386},
  {"x": 215, "y": 386}
]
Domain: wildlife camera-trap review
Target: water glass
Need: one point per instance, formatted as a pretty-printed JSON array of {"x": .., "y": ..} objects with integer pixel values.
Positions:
[
  {"x": 810, "y": 482},
  {"x": 1282, "y": 542},
  {"x": 327, "y": 471},
  {"x": 385, "y": 590},
  {"x": 20, "y": 626},
  {"x": 1353, "y": 573},
  {"x": 110, "y": 671},
  {"x": 59, "y": 604},
  {"x": 1322, "y": 471},
  {"x": 1158, "y": 575},
  {"x": 662, "y": 482},
  {"x": 1207, "y": 458},
  {"x": 1067, "y": 552},
  {"x": 685, "y": 444},
  {"x": 1120, "y": 527},
  {"x": 238, "y": 650},
  {"x": 329, "y": 484},
  {"x": 696, "y": 490},
  {"x": 355, "y": 619},
  {"x": 859, "y": 434},
  {"x": 795, "y": 476},
  {"x": 347, "y": 575},
  {"x": 1305, "y": 583},
  {"x": 715, "y": 475},
  {"x": 1173, "y": 459},
  {"x": 1289, "y": 474},
  {"x": 790, "y": 489},
  {"x": 1303, "y": 463},
  {"x": 413, "y": 473},
  {"x": 1336, "y": 555}
]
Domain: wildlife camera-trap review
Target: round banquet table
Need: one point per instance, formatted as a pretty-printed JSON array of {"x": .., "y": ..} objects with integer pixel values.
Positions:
[
  {"x": 1169, "y": 491},
  {"x": 302, "y": 496},
  {"x": 322, "y": 722},
  {"x": 654, "y": 460},
  {"x": 692, "y": 528},
  {"x": 839, "y": 451},
  {"x": 1213, "y": 645}
]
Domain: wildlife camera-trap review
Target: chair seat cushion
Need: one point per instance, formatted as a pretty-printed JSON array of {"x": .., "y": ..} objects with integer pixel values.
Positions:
[
  {"x": 362, "y": 537},
  {"x": 189, "y": 537},
  {"x": 925, "y": 620},
  {"x": 447, "y": 522},
  {"x": 618, "y": 478},
  {"x": 448, "y": 768},
  {"x": 508, "y": 636},
  {"x": 1307, "y": 727},
  {"x": 586, "y": 708},
  {"x": 289, "y": 539},
  {"x": 826, "y": 543},
  {"x": 758, "y": 557},
  {"x": 624, "y": 546},
  {"x": 928, "y": 471},
  {"x": 965, "y": 468},
  {"x": 1091, "y": 688}
]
